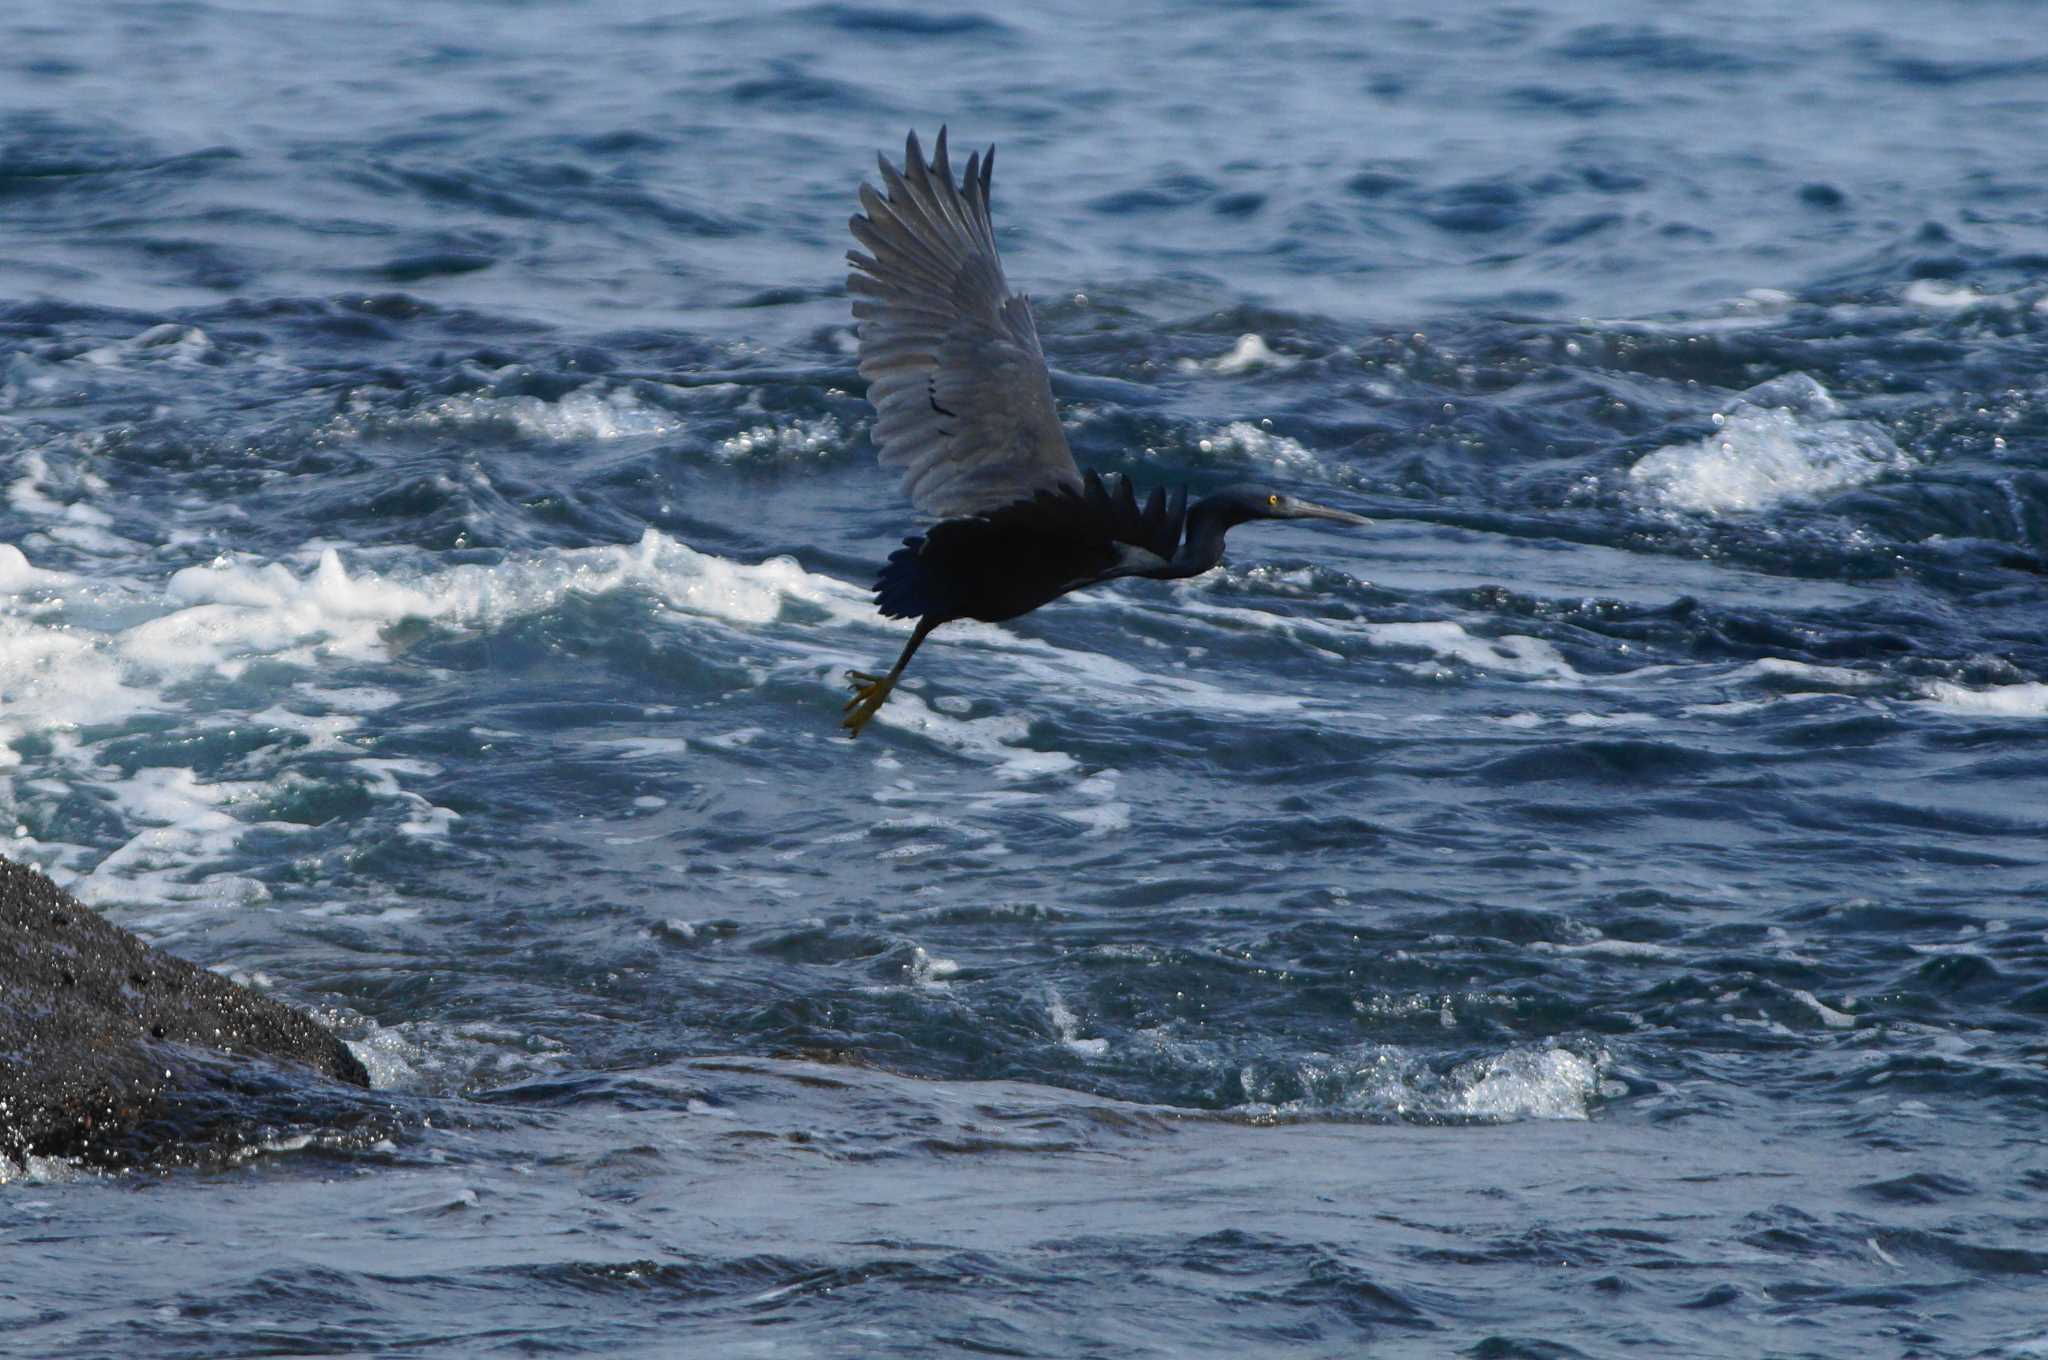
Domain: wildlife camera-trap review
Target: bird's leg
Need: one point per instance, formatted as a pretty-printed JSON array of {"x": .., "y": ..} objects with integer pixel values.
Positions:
[{"x": 870, "y": 692}]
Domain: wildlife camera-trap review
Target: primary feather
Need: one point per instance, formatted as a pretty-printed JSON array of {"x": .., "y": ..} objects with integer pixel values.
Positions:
[{"x": 963, "y": 404}]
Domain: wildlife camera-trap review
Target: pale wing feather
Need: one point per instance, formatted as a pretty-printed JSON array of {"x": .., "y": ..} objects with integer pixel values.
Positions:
[{"x": 963, "y": 404}]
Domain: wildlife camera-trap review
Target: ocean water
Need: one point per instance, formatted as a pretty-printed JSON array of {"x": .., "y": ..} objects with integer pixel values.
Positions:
[{"x": 1601, "y": 909}]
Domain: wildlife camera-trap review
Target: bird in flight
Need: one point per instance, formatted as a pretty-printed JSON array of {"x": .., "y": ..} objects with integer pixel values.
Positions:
[{"x": 964, "y": 409}]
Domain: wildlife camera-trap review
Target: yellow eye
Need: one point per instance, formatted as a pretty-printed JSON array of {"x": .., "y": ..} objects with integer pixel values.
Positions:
[{"x": 1272, "y": 500}]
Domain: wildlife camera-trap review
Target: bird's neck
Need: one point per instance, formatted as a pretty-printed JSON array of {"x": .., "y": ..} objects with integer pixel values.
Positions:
[{"x": 1202, "y": 546}]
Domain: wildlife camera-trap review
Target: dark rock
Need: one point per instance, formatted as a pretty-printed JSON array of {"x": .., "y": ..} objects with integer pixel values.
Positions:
[{"x": 110, "y": 1049}]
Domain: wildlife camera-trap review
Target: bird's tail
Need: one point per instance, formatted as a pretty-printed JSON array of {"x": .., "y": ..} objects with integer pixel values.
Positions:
[{"x": 905, "y": 587}]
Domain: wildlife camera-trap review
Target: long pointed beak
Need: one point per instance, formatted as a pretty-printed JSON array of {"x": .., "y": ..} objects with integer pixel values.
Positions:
[{"x": 1310, "y": 510}]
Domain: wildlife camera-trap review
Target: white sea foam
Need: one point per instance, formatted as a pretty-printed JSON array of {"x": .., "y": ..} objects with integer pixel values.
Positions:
[
  {"x": 1780, "y": 668},
  {"x": 929, "y": 972},
  {"x": 645, "y": 748},
  {"x": 1614, "y": 949},
  {"x": 1068, "y": 1027},
  {"x": 1101, "y": 820},
  {"x": 1550, "y": 1083},
  {"x": 589, "y": 413},
  {"x": 1779, "y": 441},
  {"x": 183, "y": 823},
  {"x": 1194, "y": 600},
  {"x": 1261, "y": 446},
  {"x": 32, "y": 1170},
  {"x": 1829, "y": 1016},
  {"x": 2026, "y": 700},
  {"x": 1805, "y": 682},
  {"x": 1108, "y": 683},
  {"x": 60, "y": 501},
  {"x": 1513, "y": 654},
  {"x": 997, "y": 740},
  {"x": 1250, "y": 351},
  {"x": 36, "y": 492},
  {"x": 814, "y": 438},
  {"x": 323, "y": 732},
  {"x": 1940, "y": 296},
  {"x": 57, "y": 678},
  {"x": 235, "y": 611},
  {"x": 1381, "y": 1079},
  {"x": 437, "y": 1058},
  {"x": 1104, "y": 814},
  {"x": 1608, "y": 719},
  {"x": 99, "y": 652},
  {"x": 166, "y": 343},
  {"x": 353, "y": 698},
  {"x": 1735, "y": 707},
  {"x": 17, "y": 577}
]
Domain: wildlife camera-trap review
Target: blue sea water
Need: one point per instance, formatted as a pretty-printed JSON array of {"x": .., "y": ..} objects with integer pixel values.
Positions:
[{"x": 1602, "y": 909}]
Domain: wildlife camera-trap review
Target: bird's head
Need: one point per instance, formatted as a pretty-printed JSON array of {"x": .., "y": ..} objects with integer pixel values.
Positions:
[{"x": 1249, "y": 501}]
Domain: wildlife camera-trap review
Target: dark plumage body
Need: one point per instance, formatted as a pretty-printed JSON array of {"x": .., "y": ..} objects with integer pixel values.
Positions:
[
  {"x": 996, "y": 566},
  {"x": 963, "y": 405}
]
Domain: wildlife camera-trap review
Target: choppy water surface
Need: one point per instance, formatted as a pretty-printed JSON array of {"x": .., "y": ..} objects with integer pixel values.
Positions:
[{"x": 1600, "y": 909}]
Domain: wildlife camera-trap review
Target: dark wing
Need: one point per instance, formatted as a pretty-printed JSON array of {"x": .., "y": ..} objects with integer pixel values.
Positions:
[
  {"x": 962, "y": 401},
  {"x": 1105, "y": 510}
]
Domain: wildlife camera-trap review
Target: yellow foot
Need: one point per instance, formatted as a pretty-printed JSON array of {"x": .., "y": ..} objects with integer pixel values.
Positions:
[{"x": 870, "y": 692}]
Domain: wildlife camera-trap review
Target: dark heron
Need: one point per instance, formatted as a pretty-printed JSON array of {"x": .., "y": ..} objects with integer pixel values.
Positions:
[{"x": 963, "y": 406}]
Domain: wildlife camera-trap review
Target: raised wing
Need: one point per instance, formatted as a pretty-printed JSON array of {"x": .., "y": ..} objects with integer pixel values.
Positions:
[{"x": 962, "y": 401}]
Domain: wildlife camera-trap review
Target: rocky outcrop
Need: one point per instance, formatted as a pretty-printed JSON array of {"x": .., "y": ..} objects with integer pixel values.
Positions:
[{"x": 111, "y": 1050}]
